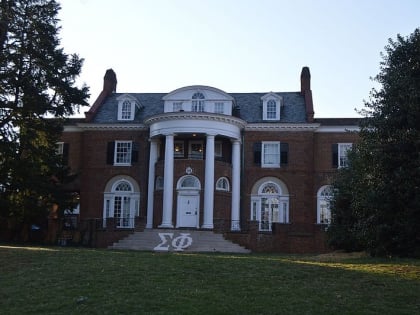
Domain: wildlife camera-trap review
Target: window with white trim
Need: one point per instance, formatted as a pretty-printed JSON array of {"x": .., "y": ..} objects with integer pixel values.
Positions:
[
  {"x": 222, "y": 184},
  {"x": 177, "y": 106},
  {"x": 126, "y": 110},
  {"x": 121, "y": 203},
  {"x": 324, "y": 197},
  {"x": 271, "y": 106},
  {"x": 219, "y": 107},
  {"x": 59, "y": 148},
  {"x": 343, "y": 149},
  {"x": 271, "y": 110},
  {"x": 122, "y": 153},
  {"x": 197, "y": 102},
  {"x": 339, "y": 154},
  {"x": 269, "y": 206},
  {"x": 270, "y": 154}
]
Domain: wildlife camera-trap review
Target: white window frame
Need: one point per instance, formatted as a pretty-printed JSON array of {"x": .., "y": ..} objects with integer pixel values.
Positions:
[
  {"x": 177, "y": 106},
  {"x": 127, "y": 215},
  {"x": 343, "y": 149},
  {"x": 123, "y": 113},
  {"x": 59, "y": 148},
  {"x": 222, "y": 184},
  {"x": 282, "y": 215},
  {"x": 125, "y": 162},
  {"x": 219, "y": 107},
  {"x": 264, "y": 148},
  {"x": 266, "y": 112},
  {"x": 198, "y": 104},
  {"x": 324, "y": 196}
]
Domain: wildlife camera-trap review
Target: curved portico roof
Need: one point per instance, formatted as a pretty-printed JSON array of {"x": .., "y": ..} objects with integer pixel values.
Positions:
[
  {"x": 181, "y": 91},
  {"x": 193, "y": 122}
]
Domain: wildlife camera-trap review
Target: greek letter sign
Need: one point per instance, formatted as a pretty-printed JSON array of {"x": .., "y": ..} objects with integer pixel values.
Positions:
[{"x": 169, "y": 242}]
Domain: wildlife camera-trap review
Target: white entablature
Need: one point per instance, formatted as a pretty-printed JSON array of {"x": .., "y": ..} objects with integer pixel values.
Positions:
[
  {"x": 176, "y": 123},
  {"x": 198, "y": 98}
]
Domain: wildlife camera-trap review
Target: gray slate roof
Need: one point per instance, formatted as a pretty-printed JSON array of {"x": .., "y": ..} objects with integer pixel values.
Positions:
[{"x": 249, "y": 106}]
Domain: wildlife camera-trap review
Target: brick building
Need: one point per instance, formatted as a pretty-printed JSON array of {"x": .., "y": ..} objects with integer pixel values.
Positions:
[{"x": 253, "y": 166}]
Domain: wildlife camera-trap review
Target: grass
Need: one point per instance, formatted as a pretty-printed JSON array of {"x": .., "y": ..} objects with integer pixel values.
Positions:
[{"x": 52, "y": 280}]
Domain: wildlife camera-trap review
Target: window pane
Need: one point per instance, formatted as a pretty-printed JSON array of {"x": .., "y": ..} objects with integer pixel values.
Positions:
[
  {"x": 343, "y": 149},
  {"x": 271, "y": 154},
  {"x": 219, "y": 108},
  {"x": 123, "y": 153},
  {"x": 271, "y": 109},
  {"x": 126, "y": 110}
]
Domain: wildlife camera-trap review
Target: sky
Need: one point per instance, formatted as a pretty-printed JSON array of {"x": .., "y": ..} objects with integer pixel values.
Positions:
[{"x": 237, "y": 45}]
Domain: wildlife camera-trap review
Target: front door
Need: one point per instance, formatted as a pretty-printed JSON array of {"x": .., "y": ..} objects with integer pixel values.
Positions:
[{"x": 188, "y": 207}]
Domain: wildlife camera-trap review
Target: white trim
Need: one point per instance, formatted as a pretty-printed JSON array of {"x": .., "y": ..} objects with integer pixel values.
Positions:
[
  {"x": 200, "y": 88},
  {"x": 219, "y": 180},
  {"x": 267, "y": 165},
  {"x": 326, "y": 129},
  {"x": 115, "y": 126},
  {"x": 320, "y": 199},
  {"x": 281, "y": 127},
  {"x": 115, "y": 152}
]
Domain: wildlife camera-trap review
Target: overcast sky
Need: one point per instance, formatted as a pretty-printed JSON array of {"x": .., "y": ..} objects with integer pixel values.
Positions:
[{"x": 237, "y": 45}]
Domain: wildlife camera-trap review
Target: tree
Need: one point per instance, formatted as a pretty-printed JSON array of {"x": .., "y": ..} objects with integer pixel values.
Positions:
[
  {"x": 37, "y": 93},
  {"x": 378, "y": 196}
]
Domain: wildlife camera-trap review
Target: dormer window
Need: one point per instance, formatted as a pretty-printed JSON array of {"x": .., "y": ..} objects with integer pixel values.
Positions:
[
  {"x": 271, "y": 106},
  {"x": 271, "y": 109},
  {"x": 197, "y": 102},
  {"x": 126, "y": 107}
]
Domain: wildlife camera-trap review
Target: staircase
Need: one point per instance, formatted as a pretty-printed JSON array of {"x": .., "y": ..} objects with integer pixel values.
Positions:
[{"x": 160, "y": 240}]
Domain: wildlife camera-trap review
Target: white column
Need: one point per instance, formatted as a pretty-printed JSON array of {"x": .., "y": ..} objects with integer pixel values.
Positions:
[
  {"x": 236, "y": 182},
  {"x": 151, "y": 185},
  {"x": 209, "y": 184},
  {"x": 168, "y": 183}
]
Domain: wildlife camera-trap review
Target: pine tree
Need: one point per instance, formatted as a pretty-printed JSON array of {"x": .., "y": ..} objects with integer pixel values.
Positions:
[
  {"x": 37, "y": 92},
  {"x": 384, "y": 172}
]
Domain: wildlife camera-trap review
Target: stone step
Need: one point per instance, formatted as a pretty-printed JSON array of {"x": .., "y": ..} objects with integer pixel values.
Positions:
[{"x": 160, "y": 240}]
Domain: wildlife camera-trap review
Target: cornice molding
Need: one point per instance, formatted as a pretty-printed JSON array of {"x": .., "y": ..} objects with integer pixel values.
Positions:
[
  {"x": 196, "y": 116},
  {"x": 85, "y": 126},
  {"x": 281, "y": 127}
]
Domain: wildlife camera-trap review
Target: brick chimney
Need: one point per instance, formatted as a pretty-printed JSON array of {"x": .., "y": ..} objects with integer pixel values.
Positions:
[
  {"x": 110, "y": 86},
  {"x": 110, "y": 82},
  {"x": 305, "y": 89}
]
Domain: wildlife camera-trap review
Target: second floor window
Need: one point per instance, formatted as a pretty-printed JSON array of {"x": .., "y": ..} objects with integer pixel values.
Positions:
[
  {"x": 122, "y": 153},
  {"x": 339, "y": 154},
  {"x": 270, "y": 154}
]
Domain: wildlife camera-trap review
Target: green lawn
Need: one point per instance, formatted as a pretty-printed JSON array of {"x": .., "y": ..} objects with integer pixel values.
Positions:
[{"x": 52, "y": 280}]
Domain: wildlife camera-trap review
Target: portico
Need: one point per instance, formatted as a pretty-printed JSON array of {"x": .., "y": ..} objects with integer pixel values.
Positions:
[{"x": 193, "y": 136}]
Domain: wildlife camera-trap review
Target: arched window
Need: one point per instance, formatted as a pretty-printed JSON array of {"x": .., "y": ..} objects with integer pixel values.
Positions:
[
  {"x": 270, "y": 204},
  {"x": 222, "y": 184},
  {"x": 197, "y": 102},
  {"x": 324, "y": 196},
  {"x": 189, "y": 182},
  {"x": 121, "y": 201}
]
